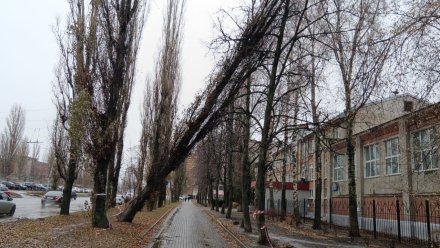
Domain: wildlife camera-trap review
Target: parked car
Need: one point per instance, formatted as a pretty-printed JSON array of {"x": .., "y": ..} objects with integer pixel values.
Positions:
[
  {"x": 54, "y": 197},
  {"x": 10, "y": 185},
  {"x": 20, "y": 186},
  {"x": 119, "y": 199},
  {"x": 30, "y": 185},
  {"x": 40, "y": 187},
  {"x": 3, "y": 187},
  {"x": 6, "y": 206}
]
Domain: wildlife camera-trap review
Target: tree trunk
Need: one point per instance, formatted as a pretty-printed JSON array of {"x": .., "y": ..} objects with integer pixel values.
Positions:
[
  {"x": 99, "y": 216},
  {"x": 295, "y": 201},
  {"x": 204, "y": 121},
  {"x": 318, "y": 183},
  {"x": 162, "y": 194},
  {"x": 137, "y": 203},
  {"x": 265, "y": 132},
  {"x": 109, "y": 186},
  {"x": 67, "y": 193},
  {"x": 113, "y": 179},
  {"x": 260, "y": 199},
  {"x": 211, "y": 194},
  {"x": 151, "y": 204},
  {"x": 283, "y": 194},
  {"x": 271, "y": 200},
  {"x": 216, "y": 195},
  {"x": 68, "y": 184},
  {"x": 225, "y": 192},
  {"x": 245, "y": 166},
  {"x": 352, "y": 201}
]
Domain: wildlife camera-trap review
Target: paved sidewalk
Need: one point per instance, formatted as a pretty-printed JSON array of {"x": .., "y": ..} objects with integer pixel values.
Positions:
[{"x": 188, "y": 226}]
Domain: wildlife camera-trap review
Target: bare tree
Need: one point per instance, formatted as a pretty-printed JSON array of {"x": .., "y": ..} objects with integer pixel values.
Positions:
[
  {"x": 178, "y": 181},
  {"x": 98, "y": 63},
  {"x": 356, "y": 41},
  {"x": 161, "y": 97},
  {"x": 414, "y": 66},
  {"x": 283, "y": 45},
  {"x": 119, "y": 25},
  {"x": 22, "y": 158},
  {"x": 200, "y": 118},
  {"x": 12, "y": 139},
  {"x": 205, "y": 169},
  {"x": 75, "y": 71},
  {"x": 245, "y": 160},
  {"x": 53, "y": 171},
  {"x": 34, "y": 159}
]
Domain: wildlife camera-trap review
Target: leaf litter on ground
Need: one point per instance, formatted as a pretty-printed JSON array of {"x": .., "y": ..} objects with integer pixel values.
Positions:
[{"x": 75, "y": 230}]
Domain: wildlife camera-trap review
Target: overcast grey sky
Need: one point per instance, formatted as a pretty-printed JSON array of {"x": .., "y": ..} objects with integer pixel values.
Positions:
[{"x": 28, "y": 55}]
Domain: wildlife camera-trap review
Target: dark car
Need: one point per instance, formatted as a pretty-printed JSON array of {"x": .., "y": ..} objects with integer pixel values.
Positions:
[
  {"x": 30, "y": 185},
  {"x": 40, "y": 187},
  {"x": 10, "y": 185},
  {"x": 20, "y": 186},
  {"x": 54, "y": 197}
]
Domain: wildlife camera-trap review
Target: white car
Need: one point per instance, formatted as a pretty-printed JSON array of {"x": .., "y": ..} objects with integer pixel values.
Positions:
[
  {"x": 119, "y": 199},
  {"x": 6, "y": 206}
]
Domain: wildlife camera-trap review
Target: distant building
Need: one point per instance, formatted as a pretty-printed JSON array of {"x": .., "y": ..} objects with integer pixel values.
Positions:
[
  {"x": 396, "y": 157},
  {"x": 190, "y": 187}
]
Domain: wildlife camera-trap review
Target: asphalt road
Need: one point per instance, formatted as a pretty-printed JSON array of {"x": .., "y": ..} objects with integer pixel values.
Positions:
[{"x": 29, "y": 207}]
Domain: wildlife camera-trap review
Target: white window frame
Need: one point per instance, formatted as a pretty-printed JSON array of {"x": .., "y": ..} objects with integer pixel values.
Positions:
[
  {"x": 304, "y": 150},
  {"x": 311, "y": 194},
  {"x": 337, "y": 133},
  {"x": 304, "y": 171},
  {"x": 424, "y": 152},
  {"x": 392, "y": 159},
  {"x": 311, "y": 172},
  {"x": 339, "y": 167},
  {"x": 372, "y": 162}
]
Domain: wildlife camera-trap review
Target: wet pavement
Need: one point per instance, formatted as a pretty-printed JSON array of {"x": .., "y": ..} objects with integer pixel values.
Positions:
[
  {"x": 29, "y": 207},
  {"x": 188, "y": 226}
]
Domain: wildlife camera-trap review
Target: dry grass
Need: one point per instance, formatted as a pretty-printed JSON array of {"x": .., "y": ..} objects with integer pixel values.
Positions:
[{"x": 76, "y": 231}]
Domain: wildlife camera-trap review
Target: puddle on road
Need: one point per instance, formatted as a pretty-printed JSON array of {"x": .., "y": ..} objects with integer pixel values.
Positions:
[{"x": 29, "y": 207}]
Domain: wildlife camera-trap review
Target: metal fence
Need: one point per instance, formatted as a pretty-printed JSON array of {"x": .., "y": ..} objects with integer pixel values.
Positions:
[
  {"x": 382, "y": 217},
  {"x": 418, "y": 223}
]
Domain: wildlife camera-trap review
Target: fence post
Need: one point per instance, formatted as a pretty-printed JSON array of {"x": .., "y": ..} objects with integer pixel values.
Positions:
[
  {"x": 399, "y": 231},
  {"x": 428, "y": 220},
  {"x": 330, "y": 211},
  {"x": 374, "y": 219},
  {"x": 304, "y": 210}
]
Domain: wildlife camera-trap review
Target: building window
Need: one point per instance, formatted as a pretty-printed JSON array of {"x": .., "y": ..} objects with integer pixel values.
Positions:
[
  {"x": 339, "y": 168},
  {"x": 392, "y": 154},
  {"x": 304, "y": 171},
  {"x": 425, "y": 145},
  {"x": 303, "y": 150},
  {"x": 337, "y": 133},
  {"x": 371, "y": 160},
  {"x": 311, "y": 193},
  {"x": 311, "y": 173},
  {"x": 311, "y": 146}
]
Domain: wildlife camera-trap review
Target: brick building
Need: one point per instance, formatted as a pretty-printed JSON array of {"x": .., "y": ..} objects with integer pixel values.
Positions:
[{"x": 396, "y": 158}]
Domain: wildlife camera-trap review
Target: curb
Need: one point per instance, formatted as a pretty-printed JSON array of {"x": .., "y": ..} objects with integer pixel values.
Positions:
[
  {"x": 169, "y": 214},
  {"x": 239, "y": 242}
]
